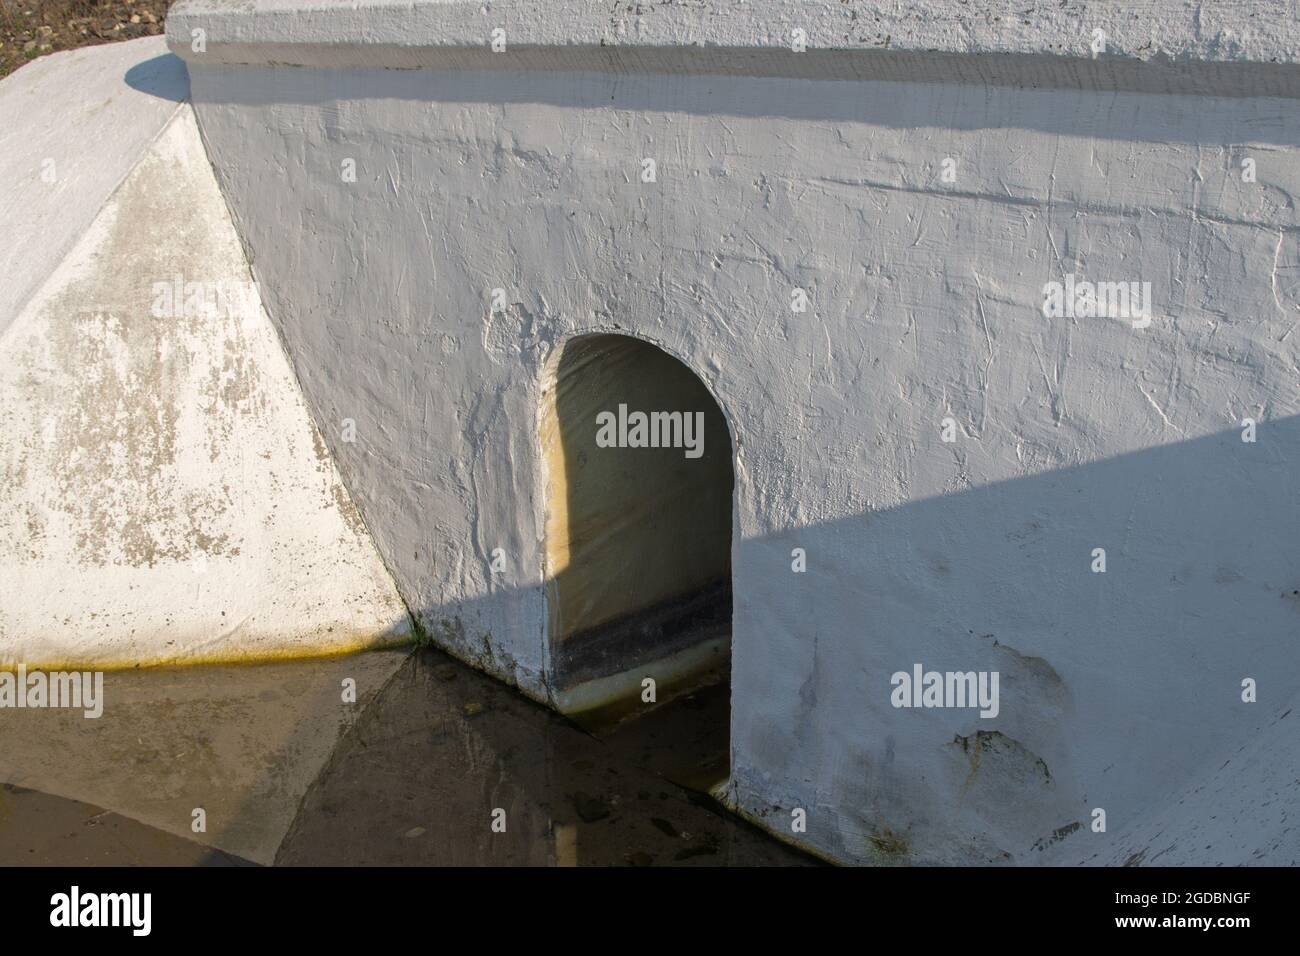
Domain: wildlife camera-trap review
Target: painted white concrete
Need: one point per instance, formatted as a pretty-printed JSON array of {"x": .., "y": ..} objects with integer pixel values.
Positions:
[
  {"x": 324, "y": 32},
  {"x": 165, "y": 496},
  {"x": 1119, "y": 690},
  {"x": 72, "y": 125},
  {"x": 1236, "y": 811}
]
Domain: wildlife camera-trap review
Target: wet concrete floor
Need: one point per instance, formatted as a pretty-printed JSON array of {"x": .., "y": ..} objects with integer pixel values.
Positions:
[
  {"x": 436, "y": 764},
  {"x": 40, "y": 829}
]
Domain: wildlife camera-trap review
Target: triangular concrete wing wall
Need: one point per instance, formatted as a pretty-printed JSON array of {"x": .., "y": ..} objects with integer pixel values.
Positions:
[{"x": 166, "y": 497}]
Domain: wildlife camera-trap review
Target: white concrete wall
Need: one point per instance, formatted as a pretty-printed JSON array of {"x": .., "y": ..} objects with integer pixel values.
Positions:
[
  {"x": 429, "y": 32},
  {"x": 1117, "y": 689}
]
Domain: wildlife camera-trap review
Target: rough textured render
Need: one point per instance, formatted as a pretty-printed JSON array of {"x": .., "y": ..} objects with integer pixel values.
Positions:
[
  {"x": 1119, "y": 690},
  {"x": 164, "y": 495},
  {"x": 1260, "y": 31}
]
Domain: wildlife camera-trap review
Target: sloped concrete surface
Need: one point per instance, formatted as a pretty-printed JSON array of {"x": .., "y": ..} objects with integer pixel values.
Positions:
[
  {"x": 241, "y": 742},
  {"x": 1238, "y": 811},
  {"x": 37, "y": 829},
  {"x": 72, "y": 126},
  {"x": 164, "y": 494}
]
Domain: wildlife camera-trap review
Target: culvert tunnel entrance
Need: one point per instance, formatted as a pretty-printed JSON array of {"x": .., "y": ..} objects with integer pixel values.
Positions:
[{"x": 638, "y": 551}]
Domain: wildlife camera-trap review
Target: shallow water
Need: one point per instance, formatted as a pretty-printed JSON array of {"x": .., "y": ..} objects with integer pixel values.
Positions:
[
  {"x": 418, "y": 772},
  {"x": 419, "y": 778}
]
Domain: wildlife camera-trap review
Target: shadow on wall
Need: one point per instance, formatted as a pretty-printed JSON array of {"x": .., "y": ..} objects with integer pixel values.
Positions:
[
  {"x": 890, "y": 102},
  {"x": 638, "y": 527},
  {"x": 164, "y": 76},
  {"x": 1116, "y": 687}
]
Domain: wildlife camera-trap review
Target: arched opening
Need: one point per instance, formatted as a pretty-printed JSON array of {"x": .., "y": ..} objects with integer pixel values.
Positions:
[{"x": 638, "y": 550}]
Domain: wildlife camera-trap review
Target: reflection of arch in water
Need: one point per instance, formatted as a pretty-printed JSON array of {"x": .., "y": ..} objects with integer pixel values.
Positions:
[{"x": 638, "y": 539}]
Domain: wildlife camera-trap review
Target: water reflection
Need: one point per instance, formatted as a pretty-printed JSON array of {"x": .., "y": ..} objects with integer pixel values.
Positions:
[{"x": 418, "y": 779}]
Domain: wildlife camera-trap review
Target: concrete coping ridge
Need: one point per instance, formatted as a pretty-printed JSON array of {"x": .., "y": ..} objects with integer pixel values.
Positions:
[{"x": 1244, "y": 48}]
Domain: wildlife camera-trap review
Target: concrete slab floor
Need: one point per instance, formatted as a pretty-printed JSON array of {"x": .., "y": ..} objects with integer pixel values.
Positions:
[
  {"x": 241, "y": 742},
  {"x": 40, "y": 829},
  {"x": 411, "y": 774}
]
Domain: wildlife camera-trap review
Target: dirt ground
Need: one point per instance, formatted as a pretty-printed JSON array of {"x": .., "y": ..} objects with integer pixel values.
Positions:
[{"x": 32, "y": 28}]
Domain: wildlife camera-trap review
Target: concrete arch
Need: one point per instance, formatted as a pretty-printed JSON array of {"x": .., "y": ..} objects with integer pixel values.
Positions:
[
  {"x": 551, "y": 363},
  {"x": 634, "y": 541}
]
